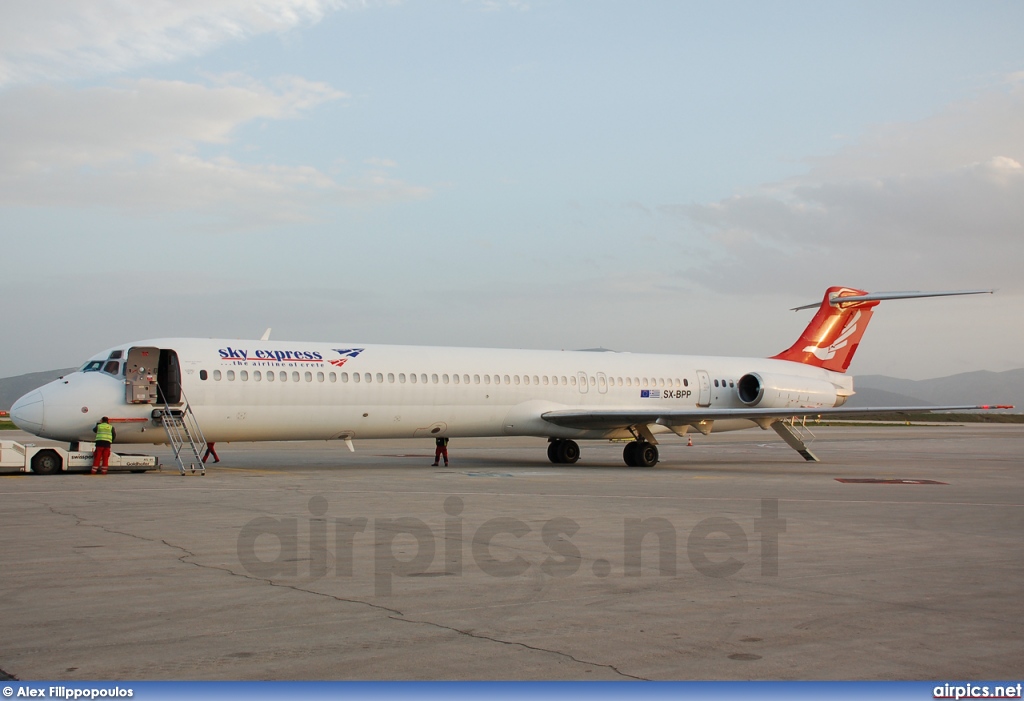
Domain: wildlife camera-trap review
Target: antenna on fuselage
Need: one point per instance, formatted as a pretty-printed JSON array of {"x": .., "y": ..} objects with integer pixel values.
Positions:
[{"x": 266, "y": 335}]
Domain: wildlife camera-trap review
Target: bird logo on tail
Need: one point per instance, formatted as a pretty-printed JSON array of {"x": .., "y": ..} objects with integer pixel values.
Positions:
[{"x": 828, "y": 352}]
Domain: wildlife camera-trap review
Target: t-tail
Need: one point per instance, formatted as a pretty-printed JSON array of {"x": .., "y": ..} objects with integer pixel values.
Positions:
[{"x": 834, "y": 334}]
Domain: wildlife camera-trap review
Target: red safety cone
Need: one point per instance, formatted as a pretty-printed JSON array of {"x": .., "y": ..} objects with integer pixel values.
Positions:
[{"x": 689, "y": 441}]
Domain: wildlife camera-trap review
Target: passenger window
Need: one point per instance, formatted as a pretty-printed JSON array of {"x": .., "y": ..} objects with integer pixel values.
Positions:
[
  {"x": 444, "y": 378},
  {"x": 319, "y": 377},
  {"x": 368, "y": 377},
  {"x": 401, "y": 377},
  {"x": 686, "y": 382},
  {"x": 243, "y": 375},
  {"x": 356, "y": 377},
  {"x": 433, "y": 378},
  {"x": 203, "y": 375},
  {"x": 455, "y": 378},
  {"x": 283, "y": 376},
  {"x": 270, "y": 375},
  {"x": 507, "y": 380},
  {"x": 487, "y": 379},
  {"x": 344, "y": 377},
  {"x": 231, "y": 375},
  {"x": 465, "y": 379},
  {"x": 216, "y": 375},
  {"x": 309, "y": 377},
  {"x": 391, "y": 377},
  {"x": 332, "y": 377},
  {"x": 412, "y": 378},
  {"x": 295, "y": 376},
  {"x": 380, "y": 377},
  {"x": 517, "y": 379},
  {"x": 423, "y": 377},
  {"x": 257, "y": 375}
]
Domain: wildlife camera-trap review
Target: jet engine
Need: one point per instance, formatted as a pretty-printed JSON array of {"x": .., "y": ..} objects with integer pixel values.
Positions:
[{"x": 784, "y": 391}]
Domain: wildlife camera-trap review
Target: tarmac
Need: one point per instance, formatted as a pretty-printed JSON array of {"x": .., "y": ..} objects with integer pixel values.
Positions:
[{"x": 731, "y": 559}]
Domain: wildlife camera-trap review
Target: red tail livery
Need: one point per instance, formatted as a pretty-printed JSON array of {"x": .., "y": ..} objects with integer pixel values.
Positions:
[{"x": 832, "y": 337}]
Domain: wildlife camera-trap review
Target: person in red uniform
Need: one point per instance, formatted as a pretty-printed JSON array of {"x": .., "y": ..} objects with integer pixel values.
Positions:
[
  {"x": 210, "y": 452},
  {"x": 441, "y": 450},
  {"x": 105, "y": 435}
]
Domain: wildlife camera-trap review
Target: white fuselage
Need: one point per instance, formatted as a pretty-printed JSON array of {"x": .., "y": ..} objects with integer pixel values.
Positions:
[{"x": 265, "y": 391}]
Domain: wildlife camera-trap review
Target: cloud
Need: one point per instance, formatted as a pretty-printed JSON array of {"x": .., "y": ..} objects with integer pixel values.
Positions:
[
  {"x": 498, "y": 5},
  {"x": 935, "y": 202},
  {"x": 139, "y": 146},
  {"x": 54, "y": 40}
]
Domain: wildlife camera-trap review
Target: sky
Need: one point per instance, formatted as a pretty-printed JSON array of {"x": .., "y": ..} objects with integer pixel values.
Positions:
[{"x": 641, "y": 176}]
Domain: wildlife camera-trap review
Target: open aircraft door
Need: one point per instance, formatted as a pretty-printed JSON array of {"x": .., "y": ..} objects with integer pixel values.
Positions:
[{"x": 153, "y": 375}]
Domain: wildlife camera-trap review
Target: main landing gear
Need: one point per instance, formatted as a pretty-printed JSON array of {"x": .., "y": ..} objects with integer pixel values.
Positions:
[
  {"x": 636, "y": 453},
  {"x": 640, "y": 454},
  {"x": 563, "y": 451}
]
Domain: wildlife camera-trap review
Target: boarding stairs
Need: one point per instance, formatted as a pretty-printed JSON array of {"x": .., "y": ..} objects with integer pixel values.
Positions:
[
  {"x": 797, "y": 434},
  {"x": 184, "y": 436}
]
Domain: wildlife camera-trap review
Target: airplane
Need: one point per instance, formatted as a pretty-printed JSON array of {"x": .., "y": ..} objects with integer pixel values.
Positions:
[{"x": 276, "y": 391}]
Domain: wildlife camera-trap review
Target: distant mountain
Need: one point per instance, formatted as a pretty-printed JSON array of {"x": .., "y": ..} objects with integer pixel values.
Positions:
[
  {"x": 981, "y": 387},
  {"x": 11, "y": 388},
  {"x": 868, "y": 396}
]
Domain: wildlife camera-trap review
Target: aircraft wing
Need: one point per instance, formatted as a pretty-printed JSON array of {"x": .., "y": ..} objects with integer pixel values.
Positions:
[{"x": 598, "y": 419}]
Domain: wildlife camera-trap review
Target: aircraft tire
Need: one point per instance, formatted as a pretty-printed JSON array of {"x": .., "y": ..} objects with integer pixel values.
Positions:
[
  {"x": 568, "y": 452},
  {"x": 553, "y": 451},
  {"x": 629, "y": 454},
  {"x": 646, "y": 455},
  {"x": 46, "y": 462}
]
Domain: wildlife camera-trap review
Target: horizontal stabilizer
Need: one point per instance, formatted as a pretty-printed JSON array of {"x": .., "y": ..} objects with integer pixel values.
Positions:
[{"x": 836, "y": 300}]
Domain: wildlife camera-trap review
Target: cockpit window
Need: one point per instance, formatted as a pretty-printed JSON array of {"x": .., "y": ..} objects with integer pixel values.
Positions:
[
  {"x": 93, "y": 366},
  {"x": 112, "y": 367},
  {"x": 116, "y": 355}
]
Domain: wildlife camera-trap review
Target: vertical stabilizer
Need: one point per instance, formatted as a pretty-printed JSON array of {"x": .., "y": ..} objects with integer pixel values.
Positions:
[{"x": 832, "y": 337}]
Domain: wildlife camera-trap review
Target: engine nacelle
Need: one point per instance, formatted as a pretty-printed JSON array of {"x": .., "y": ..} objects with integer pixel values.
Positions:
[{"x": 785, "y": 391}]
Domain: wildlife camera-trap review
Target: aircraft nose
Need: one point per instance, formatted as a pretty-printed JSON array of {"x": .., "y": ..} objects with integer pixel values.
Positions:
[{"x": 27, "y": 412}]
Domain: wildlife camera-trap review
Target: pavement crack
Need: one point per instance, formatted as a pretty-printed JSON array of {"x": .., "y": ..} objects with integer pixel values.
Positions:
[
  {"x": 514, "y": 643},
  {"x": 185, "y": 553}
]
